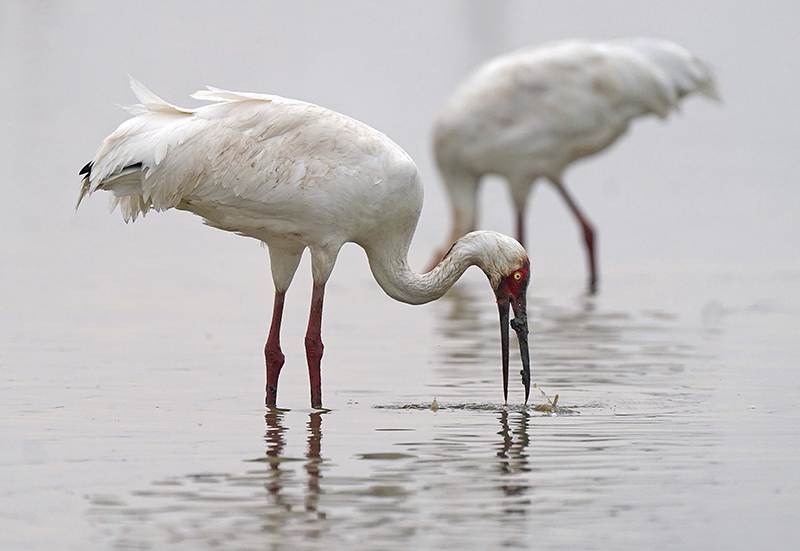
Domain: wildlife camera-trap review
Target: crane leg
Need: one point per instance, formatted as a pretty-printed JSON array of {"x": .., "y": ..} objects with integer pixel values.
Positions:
[
  {"x": 314, "y": 347},
  {"x": 272, "y": 350},
  {"x": 588, "y": 234},
  {"x": 521, "y": 226}
]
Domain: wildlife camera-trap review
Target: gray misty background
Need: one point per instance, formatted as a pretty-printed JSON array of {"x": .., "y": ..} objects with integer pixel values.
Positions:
[{"x": 711, "y": 188}]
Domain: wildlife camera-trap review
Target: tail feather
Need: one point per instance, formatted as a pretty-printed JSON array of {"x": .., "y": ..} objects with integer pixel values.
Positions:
[
  {"x": 218, "y": 94},
  {"x": 126, "y": 182},
  {"x": 86, "y": 172},
  {"x": 151, "y": 103},
  {"x": 129, "y": 155}
]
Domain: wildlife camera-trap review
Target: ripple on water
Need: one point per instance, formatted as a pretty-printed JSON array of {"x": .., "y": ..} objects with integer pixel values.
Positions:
[{"x": 473, "y": 406}]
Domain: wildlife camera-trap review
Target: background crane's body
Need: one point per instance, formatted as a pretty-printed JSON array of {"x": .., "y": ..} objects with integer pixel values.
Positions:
[{"x": 530, "y": 113}]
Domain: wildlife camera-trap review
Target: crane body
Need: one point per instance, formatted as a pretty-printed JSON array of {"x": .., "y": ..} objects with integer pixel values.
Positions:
[{"x": 295, "y": 175}]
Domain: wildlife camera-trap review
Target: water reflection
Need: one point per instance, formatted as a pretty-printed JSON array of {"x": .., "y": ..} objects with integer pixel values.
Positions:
[
  {"x": 392, "y": 477},
  {"x": 359, "y": 496},
  {"x": 513, "y": 460},
  {"x": 314, "y": 462},
  {"x": 572, "y": 346},
  {"x": 465, "y": 327},
  {"x": 276, "y": 442},
  {"x": 512, "y": 454},
  {"x": 280, "y": 476}
]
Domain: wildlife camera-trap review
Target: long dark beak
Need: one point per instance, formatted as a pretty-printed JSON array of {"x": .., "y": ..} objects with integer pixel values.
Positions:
[
  {"x": 520, "y": 326},
  {"x": 504, "y": 307}
]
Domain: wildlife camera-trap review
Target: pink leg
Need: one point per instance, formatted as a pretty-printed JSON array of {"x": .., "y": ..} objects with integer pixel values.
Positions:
[
  {"x": 314, "y": 346},
  {"x": 588, "y": 234},
  {"x": 272, "y": 351}
]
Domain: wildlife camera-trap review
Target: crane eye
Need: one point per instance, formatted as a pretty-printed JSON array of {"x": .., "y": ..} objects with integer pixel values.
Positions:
[{"x": 517, "y": 276}]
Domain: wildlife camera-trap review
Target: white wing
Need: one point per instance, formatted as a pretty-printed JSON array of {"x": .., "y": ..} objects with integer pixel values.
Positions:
[{"x": 256, "y": 164}]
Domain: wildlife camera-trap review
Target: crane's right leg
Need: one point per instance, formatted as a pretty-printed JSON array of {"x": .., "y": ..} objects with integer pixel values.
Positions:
[{"x": 272, "y": 351}]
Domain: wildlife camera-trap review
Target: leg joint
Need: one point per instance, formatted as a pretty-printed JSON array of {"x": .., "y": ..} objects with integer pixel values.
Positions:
[
  {"x": 274, "y": 355},
  {"x": 314, "y": 346}
]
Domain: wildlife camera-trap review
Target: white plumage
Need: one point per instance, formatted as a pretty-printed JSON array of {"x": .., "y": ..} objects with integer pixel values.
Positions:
[
  {"x": 295, "y": 175},
  {"x": 530, "y": 113}
]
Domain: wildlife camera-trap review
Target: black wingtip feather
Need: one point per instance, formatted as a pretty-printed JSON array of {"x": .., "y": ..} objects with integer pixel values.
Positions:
[{"x": 87, "y": 169}]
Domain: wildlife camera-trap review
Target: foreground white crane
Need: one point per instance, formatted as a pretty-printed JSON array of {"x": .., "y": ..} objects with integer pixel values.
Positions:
[
  {"x": 296, "y": 175},
  {"x": 529, "y": 114}
]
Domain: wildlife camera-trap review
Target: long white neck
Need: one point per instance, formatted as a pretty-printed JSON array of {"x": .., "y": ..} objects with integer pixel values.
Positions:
[{"x": 494, "y": 253}]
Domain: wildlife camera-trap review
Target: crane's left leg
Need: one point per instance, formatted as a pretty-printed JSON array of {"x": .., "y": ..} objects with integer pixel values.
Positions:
[
  {"x": 588, "y": 234},
  {"x": 314, "y": 346},
  {"x": 272, "y": 351}
]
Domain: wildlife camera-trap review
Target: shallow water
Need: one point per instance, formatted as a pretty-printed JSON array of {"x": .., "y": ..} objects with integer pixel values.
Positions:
[
  {"x": 132, "y": 356},
  {"x": 674, "y": 438}
]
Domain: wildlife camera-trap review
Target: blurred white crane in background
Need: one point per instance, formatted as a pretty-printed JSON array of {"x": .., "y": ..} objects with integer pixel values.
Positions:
[{"x": 530, "y": 113}]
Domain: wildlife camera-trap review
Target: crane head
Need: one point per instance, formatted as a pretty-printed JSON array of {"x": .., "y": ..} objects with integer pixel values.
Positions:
[{"x": 510, "y": 293}]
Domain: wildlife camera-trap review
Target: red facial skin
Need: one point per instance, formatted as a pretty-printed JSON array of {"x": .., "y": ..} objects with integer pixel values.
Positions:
[{"x": 513, "y": 286}]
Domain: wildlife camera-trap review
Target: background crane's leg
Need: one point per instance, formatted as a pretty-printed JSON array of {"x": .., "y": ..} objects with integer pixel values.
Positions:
[
  {"x": 521, "y": 188},
  {"x": 272, "y": 351},
  {"x": 462, "y": 190},
  {"x": 588, "y": 234},
  {"x": 314, "y": 346},
  {"x": 521, "y": 226}
]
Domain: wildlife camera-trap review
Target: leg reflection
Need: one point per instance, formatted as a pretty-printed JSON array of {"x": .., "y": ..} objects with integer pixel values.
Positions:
[
  {"x": 513, "y": 455},
  {"x": 314, "y": 461},
  {"x": 275, "y": 445},
  {"x": 280, "y": 478}
]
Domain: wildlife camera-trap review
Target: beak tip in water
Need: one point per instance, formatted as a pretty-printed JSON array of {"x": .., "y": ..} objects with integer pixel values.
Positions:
[{"x": 526, "y": 381}]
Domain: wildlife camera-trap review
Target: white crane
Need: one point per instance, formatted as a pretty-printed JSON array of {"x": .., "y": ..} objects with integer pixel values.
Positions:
[
  {"x": 530, "y": 113},
  {"x": 296, "y": 175}
]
